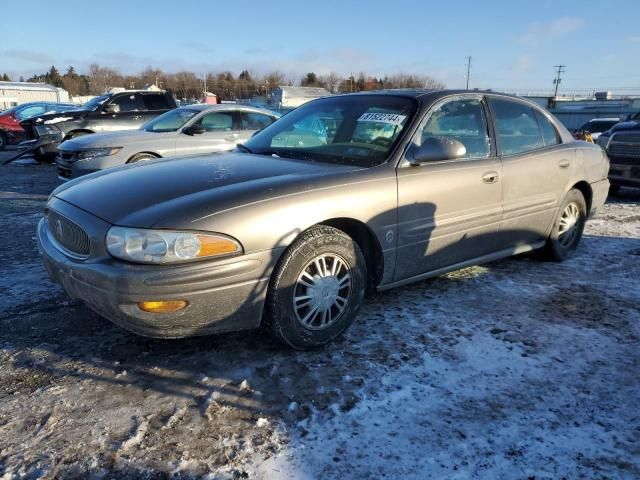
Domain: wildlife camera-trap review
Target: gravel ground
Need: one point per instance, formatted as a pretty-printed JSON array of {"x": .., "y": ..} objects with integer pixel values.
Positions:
[{"x": 516, "y": 369}]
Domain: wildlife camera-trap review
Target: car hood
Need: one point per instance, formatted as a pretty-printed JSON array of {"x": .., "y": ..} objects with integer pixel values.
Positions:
[
  {"x": 173, "y": 193},
  {"x": 53, "y": 118},
  {"x": 112, "y": 139},
  {"x": 624, "y": 126}
]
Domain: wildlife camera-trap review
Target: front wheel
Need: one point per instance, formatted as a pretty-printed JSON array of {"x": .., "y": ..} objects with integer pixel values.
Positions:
[
  {"x": 568, "y": 226},
  {"x": 141, "y": 157},
  {"x": 316, "y": 289},
  {"x": 3, "y": 141}
]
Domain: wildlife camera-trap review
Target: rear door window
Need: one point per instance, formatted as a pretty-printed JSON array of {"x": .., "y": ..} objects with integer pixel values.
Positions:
[
  {"x": 549, "y": 133},
  {"x": 517, "y": 127},
  {"x": 154, "y": 101},
  {"x": 255, "y": 121}
]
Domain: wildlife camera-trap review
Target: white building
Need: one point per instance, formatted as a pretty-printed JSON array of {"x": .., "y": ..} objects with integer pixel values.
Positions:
[
  {"x": 292, "y": 97},
  {"x": 15, "y": 93}
]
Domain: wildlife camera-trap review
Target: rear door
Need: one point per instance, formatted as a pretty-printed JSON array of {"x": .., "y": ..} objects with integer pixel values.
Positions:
[
  {"x": 221, "y": 132},
  {"x": 126, "y": 115},
  {"x": 536, "y": 166},
  {"x": 449, "y": 211},
  {"x": 154, "y": 104}
]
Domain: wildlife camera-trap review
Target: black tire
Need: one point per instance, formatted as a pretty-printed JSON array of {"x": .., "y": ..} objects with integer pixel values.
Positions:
[
  {"x": 141, "y": 157},
  {"x": 561, "y": 245},
  {"x": 325, "y": 244},
  {"x": 44, "y": 157},
  {"x": 3, "y": 141},
  {"x": 614, "y": 190}
]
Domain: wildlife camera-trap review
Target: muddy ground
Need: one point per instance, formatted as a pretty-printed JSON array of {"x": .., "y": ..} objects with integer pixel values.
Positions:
[{"x": 516, "y": 369}]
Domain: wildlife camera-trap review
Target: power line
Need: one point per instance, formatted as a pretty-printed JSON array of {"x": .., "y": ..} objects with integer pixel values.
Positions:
[{"x": 557, "y": 80}]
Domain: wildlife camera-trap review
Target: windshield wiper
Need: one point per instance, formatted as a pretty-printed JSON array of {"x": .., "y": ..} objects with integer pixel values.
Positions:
[{"x": 243, "y": 148}]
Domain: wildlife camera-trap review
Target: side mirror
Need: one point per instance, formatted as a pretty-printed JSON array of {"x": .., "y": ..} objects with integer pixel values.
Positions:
[
  {"x": 194, "y": 130},
  {"x": 435, "y": 149}
]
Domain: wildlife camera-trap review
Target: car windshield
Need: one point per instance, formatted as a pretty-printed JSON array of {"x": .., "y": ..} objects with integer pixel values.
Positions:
[
  {"x": 170, "y": 121},
  {"x": 352, "y": 129},
  {"x": 95, "y": 102}
]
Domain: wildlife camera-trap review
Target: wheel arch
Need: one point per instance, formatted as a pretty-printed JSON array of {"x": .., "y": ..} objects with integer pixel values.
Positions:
[
  {"x": 71, "y": 133},
  {"x": 586, "y": 191},
  {"x": 368, "y": 243},
  {"x": 146, "y": 152}
]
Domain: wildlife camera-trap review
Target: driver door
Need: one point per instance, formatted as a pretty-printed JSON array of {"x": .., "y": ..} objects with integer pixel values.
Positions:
[
  {"x": 221, "y": 133},
  {"x": 449, "y": 211},
  {"x": 123, "y": 112}
]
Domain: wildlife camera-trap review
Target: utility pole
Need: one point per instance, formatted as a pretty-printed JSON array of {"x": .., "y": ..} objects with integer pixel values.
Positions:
[
  {"x": 557, "y": 80},
  {"x": 468, "y": 69}
]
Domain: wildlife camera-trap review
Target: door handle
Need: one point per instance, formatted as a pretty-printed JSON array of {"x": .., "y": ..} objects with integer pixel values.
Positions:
[
  {"x": 137, "y": 117},
  {"x": 233, "y": 136},
  {"x": 490, "y": 177},
  {"x": 564, "y": 163}
]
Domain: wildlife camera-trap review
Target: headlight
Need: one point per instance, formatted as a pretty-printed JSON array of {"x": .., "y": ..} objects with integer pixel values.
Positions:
[
  {"x": 98, "y": 152},
  {"x": 47, "y": 130},
  {"x": 165, "y": 246},
  {"x": 603, "y": 141}
]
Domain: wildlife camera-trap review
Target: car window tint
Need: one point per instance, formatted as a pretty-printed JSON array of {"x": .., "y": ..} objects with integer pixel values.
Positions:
[
  {"x": 30, "y": 112},
  {"x": 549, "y": 132},
  {"x": 461, "y": 120},
  {"x": 255, "y": 121},
  {"x": 155, "y": 102},
  {"x": 517, "y": 127},
  {"x": 126, "y": 103},
  {"x": 310, "y": 131},
  {"x": 217, "y": 121}
]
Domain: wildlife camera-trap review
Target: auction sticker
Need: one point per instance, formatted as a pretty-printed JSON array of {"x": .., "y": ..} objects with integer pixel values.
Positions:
[{"x": 389, "y": 118}]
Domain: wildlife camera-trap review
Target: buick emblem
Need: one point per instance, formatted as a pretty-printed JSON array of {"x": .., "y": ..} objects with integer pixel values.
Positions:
[{"x": 59, "y": 229}]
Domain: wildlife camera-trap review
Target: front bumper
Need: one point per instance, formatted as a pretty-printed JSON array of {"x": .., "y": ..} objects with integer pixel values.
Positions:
[
  {"x": 624, "y": 171},
  {"x": 70, "y": 167},
  {"x": 224, "y": 295}
]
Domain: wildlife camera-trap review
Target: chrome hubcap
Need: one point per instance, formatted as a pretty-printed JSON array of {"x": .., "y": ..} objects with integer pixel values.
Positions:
[
  {"x": 569, "y": 224},
  {"x": 322, "y": 292}
]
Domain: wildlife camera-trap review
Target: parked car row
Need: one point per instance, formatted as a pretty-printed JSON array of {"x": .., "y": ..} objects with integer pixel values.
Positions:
[{"x": 342, "y": 196}]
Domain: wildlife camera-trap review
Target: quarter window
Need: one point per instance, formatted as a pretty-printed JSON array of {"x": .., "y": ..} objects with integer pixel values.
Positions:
[
  {"x": 464, "y": 121},
  {"x": 517, "y": 127},
  {"x": 255, "y": 121},
  {"x": 549, "y": 133}
]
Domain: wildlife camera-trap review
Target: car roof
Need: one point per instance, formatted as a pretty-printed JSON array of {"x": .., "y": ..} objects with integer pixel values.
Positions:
[
  {"x": 201, "y": 107},
  {"x": 436, "y": 93}
]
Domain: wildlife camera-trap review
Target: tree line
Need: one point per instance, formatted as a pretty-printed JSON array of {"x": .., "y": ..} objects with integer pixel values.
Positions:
[{"x": 188, "y": 85}]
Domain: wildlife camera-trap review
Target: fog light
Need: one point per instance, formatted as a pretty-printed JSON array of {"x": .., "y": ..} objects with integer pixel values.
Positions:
[{"x": 162, "y": 306}]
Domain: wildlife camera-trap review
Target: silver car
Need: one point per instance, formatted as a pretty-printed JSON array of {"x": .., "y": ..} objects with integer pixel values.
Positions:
[
  {"x": 183, "y": 131},
  {"x": 342, "y": 196}
]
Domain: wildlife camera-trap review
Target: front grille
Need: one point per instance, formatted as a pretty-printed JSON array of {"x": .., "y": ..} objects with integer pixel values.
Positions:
[
  {"x": 64, "y": 172},
  {"x": 627, "y": 137},
  {"x": 68, "y": 234},
  {"x": 624, "y": 149}
]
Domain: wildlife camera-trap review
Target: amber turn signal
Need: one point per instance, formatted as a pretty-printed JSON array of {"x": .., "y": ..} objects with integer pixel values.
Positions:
[
  {"x": 214, "y": 245},
  {"x": 162, "y": 306}
]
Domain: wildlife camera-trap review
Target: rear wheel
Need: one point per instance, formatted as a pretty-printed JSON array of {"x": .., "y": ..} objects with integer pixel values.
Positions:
[
  {"x": 3, "y": 141},
  {"x": 614, "y": 190},
  {"x": 568, "y": 226},
  {"x": 141, "y": 157},
  {"x": 316, "y": 289}
]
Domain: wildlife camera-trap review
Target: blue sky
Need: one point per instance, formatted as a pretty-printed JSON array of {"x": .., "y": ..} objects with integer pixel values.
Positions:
[{"x": 514, "y": 45}]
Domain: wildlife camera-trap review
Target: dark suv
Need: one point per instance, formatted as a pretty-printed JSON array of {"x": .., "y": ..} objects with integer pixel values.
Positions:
[
  {"x": 119, "y": 110},
  {"x": 622, "y": 143}
]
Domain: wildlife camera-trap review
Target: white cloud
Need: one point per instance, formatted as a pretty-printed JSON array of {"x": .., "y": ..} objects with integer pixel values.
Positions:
[
  {"x": 539, "y": 31},
  {"x": 522, "y": 64}
]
